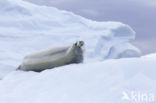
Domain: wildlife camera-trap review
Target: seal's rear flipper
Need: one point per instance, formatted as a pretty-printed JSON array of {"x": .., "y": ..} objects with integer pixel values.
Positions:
[{"x": 19, "y": 67}]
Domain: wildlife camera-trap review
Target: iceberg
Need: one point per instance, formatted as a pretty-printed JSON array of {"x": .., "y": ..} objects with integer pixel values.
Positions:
[{"x": 26, "y": 27}]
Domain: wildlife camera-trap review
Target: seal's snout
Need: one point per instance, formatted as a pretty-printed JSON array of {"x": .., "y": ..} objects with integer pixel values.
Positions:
[{"x": 79, "y": 43}]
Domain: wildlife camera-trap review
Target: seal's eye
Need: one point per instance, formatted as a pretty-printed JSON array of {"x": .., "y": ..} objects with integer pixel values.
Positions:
[
  {"x": 81, "y": 43},
  {"x": 75, "y": 44}
]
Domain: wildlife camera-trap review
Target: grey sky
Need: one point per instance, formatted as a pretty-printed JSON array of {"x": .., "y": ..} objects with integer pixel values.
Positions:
[{"x": 139, "y": 14}]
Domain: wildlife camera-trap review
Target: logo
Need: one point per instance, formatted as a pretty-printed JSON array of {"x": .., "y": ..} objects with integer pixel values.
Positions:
[{"x": 137, "y": 96}]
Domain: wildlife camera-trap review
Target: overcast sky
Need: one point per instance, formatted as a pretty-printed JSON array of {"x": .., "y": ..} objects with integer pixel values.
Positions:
[{"x": 139, "y": 14}]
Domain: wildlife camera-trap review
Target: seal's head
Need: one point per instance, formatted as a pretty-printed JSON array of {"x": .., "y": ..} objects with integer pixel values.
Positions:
[{"x": 78, "y": 51}]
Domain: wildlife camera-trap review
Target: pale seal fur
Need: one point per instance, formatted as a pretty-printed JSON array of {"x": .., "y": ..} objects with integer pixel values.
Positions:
[{"x": 54, "y": 57}]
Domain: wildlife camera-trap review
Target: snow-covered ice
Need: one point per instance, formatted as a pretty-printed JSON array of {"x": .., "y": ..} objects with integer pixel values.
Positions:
[
  {"x": 98, "y": 82},
  {"x": 25, "y": 28}
]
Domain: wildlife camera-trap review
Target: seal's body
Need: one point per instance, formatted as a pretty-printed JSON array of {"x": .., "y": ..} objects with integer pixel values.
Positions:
[{"x": 54, "y": 57}]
